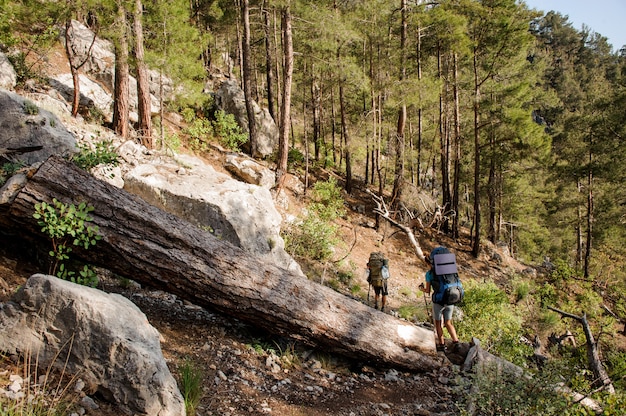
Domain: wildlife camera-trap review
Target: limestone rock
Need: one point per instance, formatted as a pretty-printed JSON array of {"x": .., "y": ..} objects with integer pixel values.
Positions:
[
  {"x": 26, "y": 125},
  {"x": 111, "y": 345}
]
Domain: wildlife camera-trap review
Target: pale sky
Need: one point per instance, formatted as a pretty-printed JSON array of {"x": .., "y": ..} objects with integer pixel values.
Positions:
[{"x": 606, "y": 17}]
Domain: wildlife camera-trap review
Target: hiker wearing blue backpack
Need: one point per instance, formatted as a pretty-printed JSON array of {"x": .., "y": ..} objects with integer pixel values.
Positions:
[{"x": 443, "y": 279}]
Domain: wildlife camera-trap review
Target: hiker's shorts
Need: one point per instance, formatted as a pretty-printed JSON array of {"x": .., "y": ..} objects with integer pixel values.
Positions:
[
  {"x": 442, "y": 311},
  {"x": 381, "y": 289}
]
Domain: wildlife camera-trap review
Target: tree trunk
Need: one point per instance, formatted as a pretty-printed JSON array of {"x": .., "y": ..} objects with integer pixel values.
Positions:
[
  {"x": 601, "y": 377},
  {"x": 122, "y": 78},
  {"x": 269, "y": 68},
  {"x": 144, "y": 106},
  {"x": 247, "y": 77},
  {"x": 476, "y": 227},
  {"x": 160, "y": 250},
  {"x": 285, "y": 112}
]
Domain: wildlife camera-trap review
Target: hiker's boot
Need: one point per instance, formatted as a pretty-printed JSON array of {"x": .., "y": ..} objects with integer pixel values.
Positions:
[{"x": 376, "y": 306}]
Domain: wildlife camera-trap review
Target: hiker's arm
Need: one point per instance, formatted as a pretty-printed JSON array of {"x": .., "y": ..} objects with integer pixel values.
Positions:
[{"x": 425, "y": 288}]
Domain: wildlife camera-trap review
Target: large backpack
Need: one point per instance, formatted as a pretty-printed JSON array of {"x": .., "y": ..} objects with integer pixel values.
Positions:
[
  {"x": 376, "y": 263},
  {"x": 447, "y": 287}
]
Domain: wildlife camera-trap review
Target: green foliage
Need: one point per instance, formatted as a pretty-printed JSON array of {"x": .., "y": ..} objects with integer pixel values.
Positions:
[
  {"x": 496, "y": 392},
  {"x": 295, "y": 158},
  {"x": 191, "y": 382},
  {"x": 228, "y": 131},
  {"x": 315, "y": 236},
  {"x": 488, "y": 316},
  {"x": 328, "y": 202},
  {"x": 103, "y": 154},
  {"x": 312, "y": 238},
  {"x": 67, "y": 226},
  {"x": 9, "y": 169},
  {"x": 199, "y": 131},
  {"x": 413, "y": 313},
  {"x": 30, "y": 108}
]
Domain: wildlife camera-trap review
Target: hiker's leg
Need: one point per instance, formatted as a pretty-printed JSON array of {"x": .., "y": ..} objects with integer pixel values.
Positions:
[
  {"x": 451, "y": 330},
  {"x": 438, "y": 321},
  {"x": 376, "y": 296},
  {"x": 439, "y": 329},
  {"x": 384, "y": 296},
  {"x": 447, "y": 320}
]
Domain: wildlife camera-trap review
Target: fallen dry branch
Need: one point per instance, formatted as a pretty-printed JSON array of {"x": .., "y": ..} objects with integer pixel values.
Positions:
[
  {"x": 381, "y": 209},
  {"x": 593, "y": 355},
  {"x": 160, "y": 250}
]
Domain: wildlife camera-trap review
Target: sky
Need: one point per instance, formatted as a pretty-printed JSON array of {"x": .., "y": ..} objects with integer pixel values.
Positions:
[{"x": 606, "y": 17}]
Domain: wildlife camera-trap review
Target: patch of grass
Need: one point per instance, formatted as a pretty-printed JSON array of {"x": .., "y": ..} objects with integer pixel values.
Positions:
[
  {"x": 191, "y": 378},
  {"x": 405, "y": 291},
  {"x": 412, "y": 313}
]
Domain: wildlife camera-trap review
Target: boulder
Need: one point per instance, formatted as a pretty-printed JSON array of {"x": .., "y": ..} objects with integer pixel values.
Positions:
[
  {"x": 103, "y": 338},
  {"x": 231, "y": 99},
  {"x": 250, "y": 171},
  {"x": 26, "y": 125},
  {"x": 240, "y": 213},
  {"x": 8, "y": 77},
  {"x": 91, "y": 93}
]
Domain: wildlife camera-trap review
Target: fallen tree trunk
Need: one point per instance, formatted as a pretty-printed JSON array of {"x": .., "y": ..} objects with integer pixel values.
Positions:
[
  {"x": 602, "y": 378},
  {"x": 150, "y": 246}
]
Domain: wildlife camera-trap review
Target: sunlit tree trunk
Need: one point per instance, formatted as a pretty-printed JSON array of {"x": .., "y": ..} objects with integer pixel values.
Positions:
[
  {"x": 247, "y": 76},
  {"x": 144, "y": 106},
  {"x": 121, "y": 108},
  {"x": 285, "y": 113}
]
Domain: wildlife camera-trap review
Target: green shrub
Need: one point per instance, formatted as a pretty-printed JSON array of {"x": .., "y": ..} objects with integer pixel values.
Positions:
[
  {"x": 9, "y": 169},
  {"x": 413, "y": 313},
  {"x": 67, "y": 226},
  {"x": 30, "y": 108},
  {"x": 489, "y": 317},
  {"x": 312, "y": 238},
  {"x": 495, "y": 392},
  {"x": 200, "y": 132},
  {"x": 103, "y": 154},
  {"x": 228, "y": 131},
  {"x": 327, "y": 201}
]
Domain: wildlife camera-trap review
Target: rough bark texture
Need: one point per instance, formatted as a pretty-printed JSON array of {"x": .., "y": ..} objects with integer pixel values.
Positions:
[{"x": 158, "y": 249}]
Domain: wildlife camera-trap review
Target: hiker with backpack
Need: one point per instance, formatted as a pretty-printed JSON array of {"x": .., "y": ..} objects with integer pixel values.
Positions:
[
  {"x": 377, "y": 275},
  {"x": 443, "y": 279}
]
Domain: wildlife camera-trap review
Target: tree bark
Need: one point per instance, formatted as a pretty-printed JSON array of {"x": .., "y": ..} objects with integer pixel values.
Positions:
[
  {"x": 121, "y": 109},
  {"x": 285, "y": 112},
  {"x": 162, "y": 251},
  {"x": 246, "y": 66},
  {"x": 144, "y": 105}
]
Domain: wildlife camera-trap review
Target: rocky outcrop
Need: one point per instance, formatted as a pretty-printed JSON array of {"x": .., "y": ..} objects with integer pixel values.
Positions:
[
  {"x": 103, "y": 339},
  {"x": 231, "y": 99},
  {"x": 8, "y": 77},
  {"x": 234, "y": 211},
  {"x": 25, "y": 125}
]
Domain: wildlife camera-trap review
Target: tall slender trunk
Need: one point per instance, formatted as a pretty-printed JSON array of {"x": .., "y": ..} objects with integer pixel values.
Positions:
[
  {"x": 396, "y": 196},
  {"x": 346, "y": 138},
  {"x": 285, "y": 113},
  {"x": 590, "y": 218},
  {"x": 269, "y": 67},
  {"x": 457, "y": 151},
  {"x": 144, "y": 106},
  {"x": 476, "y": 105},
  {"x": 247, "y": 77},
  {"x": 121, "y": 108}
]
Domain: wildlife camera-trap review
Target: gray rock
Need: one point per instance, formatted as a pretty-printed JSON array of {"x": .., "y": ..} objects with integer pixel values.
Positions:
[
  {"x": 231, "y": 99},
  {"x": 239, "y": 213},
  {"x": 24, "y": 124},
  {"x": 111, "y": 345},
  {"x": 8, "y": 77}
]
